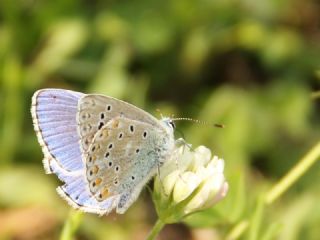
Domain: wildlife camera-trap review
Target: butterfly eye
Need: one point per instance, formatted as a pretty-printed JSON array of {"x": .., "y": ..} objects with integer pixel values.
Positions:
[{"x": 172, "y": 124}]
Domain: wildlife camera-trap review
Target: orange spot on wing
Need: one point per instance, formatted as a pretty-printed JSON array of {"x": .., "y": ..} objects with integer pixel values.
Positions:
[
  {"x": 98, "y": 181},
  {"x": 104, "y": 193}
]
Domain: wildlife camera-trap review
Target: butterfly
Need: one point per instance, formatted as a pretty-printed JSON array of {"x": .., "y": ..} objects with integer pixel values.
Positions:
[{"x": 103, "y": 149}]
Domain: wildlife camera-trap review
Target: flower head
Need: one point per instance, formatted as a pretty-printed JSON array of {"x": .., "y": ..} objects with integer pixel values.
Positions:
[{"x": 190, "y": 181}]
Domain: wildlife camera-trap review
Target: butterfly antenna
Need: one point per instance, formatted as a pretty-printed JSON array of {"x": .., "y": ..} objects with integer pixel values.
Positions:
[{"x": 218, "y": 125}]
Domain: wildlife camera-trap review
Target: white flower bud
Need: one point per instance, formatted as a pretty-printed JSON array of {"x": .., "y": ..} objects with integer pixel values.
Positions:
[
  {"x": 192, "y": 181},
  {"x": 169, "y": 182},
  {"x": 185, "y": 185}
]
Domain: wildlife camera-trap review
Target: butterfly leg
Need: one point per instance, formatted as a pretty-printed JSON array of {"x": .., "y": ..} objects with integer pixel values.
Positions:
[{"x": 181, "y": 142}]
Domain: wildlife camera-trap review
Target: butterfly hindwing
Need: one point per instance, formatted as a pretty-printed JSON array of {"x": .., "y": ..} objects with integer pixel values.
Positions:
[
  {"x": 122, "y": 157},
  {"x": 76, "y": 192}
]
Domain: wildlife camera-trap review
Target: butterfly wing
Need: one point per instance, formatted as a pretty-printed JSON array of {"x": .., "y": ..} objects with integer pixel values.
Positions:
[
  {"x": 76, "y": 192},
  {"x": 96, "y": 110},
  {"x": 124, "y": 154},
  {"x": 60, "y": 117},
  {"x": 54, "y": 114}
]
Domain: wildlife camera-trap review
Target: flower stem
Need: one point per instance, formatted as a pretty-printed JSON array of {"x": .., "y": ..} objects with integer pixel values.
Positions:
[
  {"x": 156, "y": 230},
  {"x": 283, "y": 185},
  {"x": 71, "y": 225},
  {"x": 289, "y": 179},
  {"x": 237, "y": 231}
]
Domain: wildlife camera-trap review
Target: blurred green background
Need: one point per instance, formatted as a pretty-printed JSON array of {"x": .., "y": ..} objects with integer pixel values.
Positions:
[{"x": 251, "y": 65}]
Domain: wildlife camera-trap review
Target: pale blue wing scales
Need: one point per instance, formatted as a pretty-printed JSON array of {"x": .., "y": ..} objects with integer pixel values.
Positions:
[
  {"x": 75, "y": 191},
  {"x": 79, "y": 197},
  {"x": 54, "y": 114}
]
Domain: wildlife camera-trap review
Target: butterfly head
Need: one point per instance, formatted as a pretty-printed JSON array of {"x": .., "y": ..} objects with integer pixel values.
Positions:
[{"x": 168, "y": 123}]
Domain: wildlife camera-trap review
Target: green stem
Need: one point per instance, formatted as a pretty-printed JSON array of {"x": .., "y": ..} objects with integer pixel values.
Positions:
[
  {"x": 71, "y": 225},
  {"x": 156, "y": 230},
  {"x": 237, "y": 231},
  {"x": 283, "y": 185},
  {"x": 289, "y": 179}
]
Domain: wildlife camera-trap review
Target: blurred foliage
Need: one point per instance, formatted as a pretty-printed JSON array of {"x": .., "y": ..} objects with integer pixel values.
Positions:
[{"x": 251, "y": 65}]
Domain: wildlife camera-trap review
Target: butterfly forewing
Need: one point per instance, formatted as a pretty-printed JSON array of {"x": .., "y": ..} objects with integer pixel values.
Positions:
[
  {"x": 54, "y": 119},
  {"x": 96, "y": 110}
]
